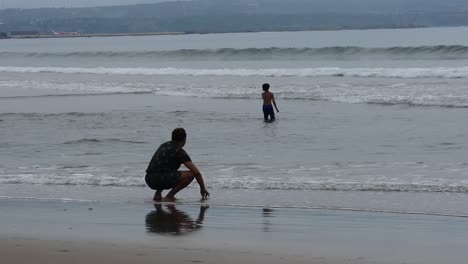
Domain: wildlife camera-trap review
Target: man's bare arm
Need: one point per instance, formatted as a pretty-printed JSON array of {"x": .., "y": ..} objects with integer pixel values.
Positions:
[{"x": 204, "y": 193}]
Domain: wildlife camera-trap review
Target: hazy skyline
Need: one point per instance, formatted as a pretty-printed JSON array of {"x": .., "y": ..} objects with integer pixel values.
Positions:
[{"x": 70, "y": 3}]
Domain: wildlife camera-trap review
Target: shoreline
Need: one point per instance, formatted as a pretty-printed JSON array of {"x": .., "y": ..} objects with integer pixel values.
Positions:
[
  {"x": 97, "y": 35},
  {"x": 79, "y": 35}
]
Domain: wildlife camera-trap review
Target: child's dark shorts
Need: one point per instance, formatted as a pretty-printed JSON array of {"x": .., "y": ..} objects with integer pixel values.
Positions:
[{"x": 268, "y": 112}]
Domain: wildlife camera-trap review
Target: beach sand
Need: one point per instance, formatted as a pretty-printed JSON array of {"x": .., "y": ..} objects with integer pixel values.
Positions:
[
  {"x": 21, "y": 250},
  {"x": 58, "y": 231}
]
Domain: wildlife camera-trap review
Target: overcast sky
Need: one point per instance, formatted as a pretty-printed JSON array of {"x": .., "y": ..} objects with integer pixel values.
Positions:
[{"x": 69, "y": 3}]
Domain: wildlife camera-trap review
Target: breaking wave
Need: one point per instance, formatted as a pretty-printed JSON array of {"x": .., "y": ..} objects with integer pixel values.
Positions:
[
  {"x": 451, "y": 52},
  {"x": 88, "y": 178},
  {"x": 404, "y": 73}
]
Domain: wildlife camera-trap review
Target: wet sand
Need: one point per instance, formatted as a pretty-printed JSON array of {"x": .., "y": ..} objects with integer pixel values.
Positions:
[
  {"x": 55, "y": 231},
  {"x": 64, "y": 251}
]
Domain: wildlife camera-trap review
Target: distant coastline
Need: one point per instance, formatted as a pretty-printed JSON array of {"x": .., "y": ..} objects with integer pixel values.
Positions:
[
  {"x": 95, "y": 35},
  {"x": 217, "y": 17},
  {"x": 5, "y": 35},
  {"x": 85, "y": 35}
]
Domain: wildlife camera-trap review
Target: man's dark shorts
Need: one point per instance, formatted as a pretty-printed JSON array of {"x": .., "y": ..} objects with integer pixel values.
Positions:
[{"x": 162, "y": 181}]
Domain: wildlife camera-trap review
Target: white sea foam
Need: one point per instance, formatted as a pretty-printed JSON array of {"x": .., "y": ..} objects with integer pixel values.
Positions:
[
  {"x": 440, "y": 72},
  {"x": 65, "y": 200},
  {"x": 93, "y": 177},
  {"x": 415, "y": 91},
  {"x": 84, "y": 87}
]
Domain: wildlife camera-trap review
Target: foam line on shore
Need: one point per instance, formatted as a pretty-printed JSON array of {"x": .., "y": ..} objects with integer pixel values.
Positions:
[{"x": 67, "y": 200}]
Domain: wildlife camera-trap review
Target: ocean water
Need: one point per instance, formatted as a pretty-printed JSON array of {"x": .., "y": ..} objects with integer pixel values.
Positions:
[{"x": 370, "y": 120}]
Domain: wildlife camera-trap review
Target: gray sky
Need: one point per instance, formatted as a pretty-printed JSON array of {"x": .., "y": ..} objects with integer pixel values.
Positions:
[{"x": 69, "y": 3}]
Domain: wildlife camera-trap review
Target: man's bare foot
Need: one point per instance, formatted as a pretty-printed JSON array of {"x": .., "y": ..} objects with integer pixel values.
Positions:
[
  {"x": 157, "y": 196},
  {"x": 169, "y": 199}
]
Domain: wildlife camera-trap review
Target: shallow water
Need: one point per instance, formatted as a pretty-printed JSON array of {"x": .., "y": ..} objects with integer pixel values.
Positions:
[{"x": 367, "y": 130}]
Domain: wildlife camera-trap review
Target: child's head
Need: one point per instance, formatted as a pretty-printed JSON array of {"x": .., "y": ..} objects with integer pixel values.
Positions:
[{"x": 265, "y": 87}]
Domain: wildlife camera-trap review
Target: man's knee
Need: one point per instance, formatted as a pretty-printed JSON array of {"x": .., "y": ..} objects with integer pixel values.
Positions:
[{"x": 187, "y": 176}]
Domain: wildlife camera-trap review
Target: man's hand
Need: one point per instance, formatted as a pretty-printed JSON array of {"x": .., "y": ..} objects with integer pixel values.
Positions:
[{"x": 204, "y": 193}]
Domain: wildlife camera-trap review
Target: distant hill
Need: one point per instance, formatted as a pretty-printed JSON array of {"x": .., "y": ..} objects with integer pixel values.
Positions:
[{"x": 205, "y": 16}]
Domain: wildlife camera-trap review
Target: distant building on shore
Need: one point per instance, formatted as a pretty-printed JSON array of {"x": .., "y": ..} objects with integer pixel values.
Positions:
[{"x": 65, "y": 33}]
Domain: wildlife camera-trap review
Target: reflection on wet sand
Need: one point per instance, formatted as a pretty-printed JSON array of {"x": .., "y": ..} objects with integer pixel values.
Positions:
[
  {"x": 267, "y": 213},
  {"x": 171, "y": 221}
]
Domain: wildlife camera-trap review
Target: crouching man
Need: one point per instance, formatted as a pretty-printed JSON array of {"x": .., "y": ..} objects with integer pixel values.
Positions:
[{"x": 163, "y": 171}]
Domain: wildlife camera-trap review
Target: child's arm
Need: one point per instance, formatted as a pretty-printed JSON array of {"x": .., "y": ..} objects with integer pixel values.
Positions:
[{"x": 274, "y": 102}]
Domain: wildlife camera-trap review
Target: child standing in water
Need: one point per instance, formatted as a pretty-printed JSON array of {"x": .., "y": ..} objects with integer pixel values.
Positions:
[{"x": 268, "y": 99}]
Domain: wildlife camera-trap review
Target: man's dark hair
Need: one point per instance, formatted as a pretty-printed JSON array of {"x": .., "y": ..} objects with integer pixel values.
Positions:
[
  {"x": 265, "y": 87},
  {"x": 179, "y": 134}
]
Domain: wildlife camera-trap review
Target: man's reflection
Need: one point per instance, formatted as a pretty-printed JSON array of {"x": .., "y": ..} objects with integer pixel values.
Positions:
[{"x": 171, "y": 221}]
